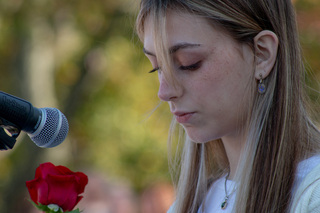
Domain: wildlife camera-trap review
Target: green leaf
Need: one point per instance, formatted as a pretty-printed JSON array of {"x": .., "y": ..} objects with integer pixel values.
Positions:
[
  {"x": 74, "y": 211},
  {"x": 47, "y": 210},
  {"x": 40, "y": 206}
]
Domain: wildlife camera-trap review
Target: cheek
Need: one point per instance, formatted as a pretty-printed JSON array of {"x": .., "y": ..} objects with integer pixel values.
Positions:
[
  {"x": 208, "y": 90},
  {"x": 226, "y": 82},
  {"x": 215, "y": 78}
]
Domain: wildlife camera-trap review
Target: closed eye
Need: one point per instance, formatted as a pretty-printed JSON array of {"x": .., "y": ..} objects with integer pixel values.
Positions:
[{"x": 191, "y": 67}]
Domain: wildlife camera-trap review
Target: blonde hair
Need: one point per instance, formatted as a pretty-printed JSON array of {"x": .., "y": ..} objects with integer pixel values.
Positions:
[{"x": 280, "y": 132}]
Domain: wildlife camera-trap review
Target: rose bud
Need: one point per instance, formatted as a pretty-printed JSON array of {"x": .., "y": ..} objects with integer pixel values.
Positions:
[{"x": 57, "y": 185}]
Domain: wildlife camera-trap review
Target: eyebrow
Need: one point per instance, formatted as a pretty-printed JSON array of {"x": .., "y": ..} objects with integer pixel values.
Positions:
[{"x": 175, "y": 48}]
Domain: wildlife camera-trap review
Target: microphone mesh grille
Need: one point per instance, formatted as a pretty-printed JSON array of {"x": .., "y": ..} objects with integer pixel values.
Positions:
[{"x": 52, "y": 130}]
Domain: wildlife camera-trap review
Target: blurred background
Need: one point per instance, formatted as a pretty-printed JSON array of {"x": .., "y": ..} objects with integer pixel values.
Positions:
[{"x": 84, "y": 58}]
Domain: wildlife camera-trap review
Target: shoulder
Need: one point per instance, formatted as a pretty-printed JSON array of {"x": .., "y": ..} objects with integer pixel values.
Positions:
[{"x": 307, "y": 195}]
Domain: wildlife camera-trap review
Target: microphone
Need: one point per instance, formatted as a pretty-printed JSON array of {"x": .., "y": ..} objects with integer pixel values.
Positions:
[{"x": 46, "y": 127}]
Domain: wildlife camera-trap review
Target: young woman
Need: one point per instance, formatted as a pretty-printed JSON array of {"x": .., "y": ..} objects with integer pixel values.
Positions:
[{"x": 232, "y": 74}]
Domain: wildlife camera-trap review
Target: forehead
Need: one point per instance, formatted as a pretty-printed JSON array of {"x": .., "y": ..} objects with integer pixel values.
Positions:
[{"x": 180, "y": 28}]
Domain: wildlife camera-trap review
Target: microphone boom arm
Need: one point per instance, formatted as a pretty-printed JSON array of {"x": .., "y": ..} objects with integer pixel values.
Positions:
[{"x": 7, "y": 141}]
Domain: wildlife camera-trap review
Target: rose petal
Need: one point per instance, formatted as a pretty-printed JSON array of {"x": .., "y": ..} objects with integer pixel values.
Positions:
[
  {"x": 82, "y": 181},
  {"x": 78, "y": 199},
  {"x": 44, "y": 169},
  {"x": 64, "y": 170},
  {"x": 62, "y": 191},
  {"x": 81, "y": 178},
  {"x": 38, "y": 190}
]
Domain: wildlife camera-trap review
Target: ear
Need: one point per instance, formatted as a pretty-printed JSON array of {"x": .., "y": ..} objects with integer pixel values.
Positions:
[{"x": 266, "y": 50}]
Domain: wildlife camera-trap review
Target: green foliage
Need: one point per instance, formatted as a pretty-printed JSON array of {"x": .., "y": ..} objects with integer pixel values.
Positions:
[
  {"x": 101, "y": 84},
  {"x": 306, "y": 4},
  {"x": 119, "y": 139},
  {"x": 50, "y": 209}
]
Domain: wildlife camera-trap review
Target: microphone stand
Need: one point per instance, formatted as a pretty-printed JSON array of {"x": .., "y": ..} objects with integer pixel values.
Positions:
[{"x": 8, "y": 134}]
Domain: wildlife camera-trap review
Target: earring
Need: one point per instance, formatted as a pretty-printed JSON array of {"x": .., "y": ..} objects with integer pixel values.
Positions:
[{"x": 261, "y": 86}]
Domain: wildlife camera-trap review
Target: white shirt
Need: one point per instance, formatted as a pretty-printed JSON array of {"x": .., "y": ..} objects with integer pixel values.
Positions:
[{"x": 216, "y": 194}]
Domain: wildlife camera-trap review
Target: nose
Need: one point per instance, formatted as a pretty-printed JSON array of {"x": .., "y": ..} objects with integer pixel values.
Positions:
[{"x": 169, "y": 90}]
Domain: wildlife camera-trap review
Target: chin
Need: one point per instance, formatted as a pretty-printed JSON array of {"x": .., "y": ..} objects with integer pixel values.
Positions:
[
  {"x": 198, "y": 135},
  {"x": 200, "y": 138}
]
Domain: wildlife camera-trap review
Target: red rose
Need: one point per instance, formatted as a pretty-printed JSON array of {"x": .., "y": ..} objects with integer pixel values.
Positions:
[{"x": 57, "y": 185}]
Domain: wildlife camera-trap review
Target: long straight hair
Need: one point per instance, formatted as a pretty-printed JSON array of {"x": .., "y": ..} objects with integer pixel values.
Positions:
[{"x": 279, "y": 131}]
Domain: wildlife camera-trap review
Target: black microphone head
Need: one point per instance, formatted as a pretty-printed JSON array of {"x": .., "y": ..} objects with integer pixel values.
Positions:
[{"x": 52, "y": 130}]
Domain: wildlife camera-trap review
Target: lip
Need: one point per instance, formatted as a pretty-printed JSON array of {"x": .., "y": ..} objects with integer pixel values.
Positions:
[{"x": 183, "y": 117}]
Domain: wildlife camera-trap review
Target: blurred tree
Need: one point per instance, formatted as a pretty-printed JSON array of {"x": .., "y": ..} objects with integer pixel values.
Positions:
[
  {"x": 309, "y": 25},
  {"x": 76, "y": 56}
]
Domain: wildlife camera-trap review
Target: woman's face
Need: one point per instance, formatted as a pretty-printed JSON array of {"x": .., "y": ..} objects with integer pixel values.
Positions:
[{"x": 213, "y": 77}]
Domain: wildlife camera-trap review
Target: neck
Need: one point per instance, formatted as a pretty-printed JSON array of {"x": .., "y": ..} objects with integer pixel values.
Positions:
[{"x": 233, "y": 147}]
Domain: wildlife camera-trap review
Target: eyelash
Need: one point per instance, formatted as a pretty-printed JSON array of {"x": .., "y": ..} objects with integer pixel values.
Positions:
[
  {"x": 191, "y": 67},
  {"x": 154, "y": 70}
]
